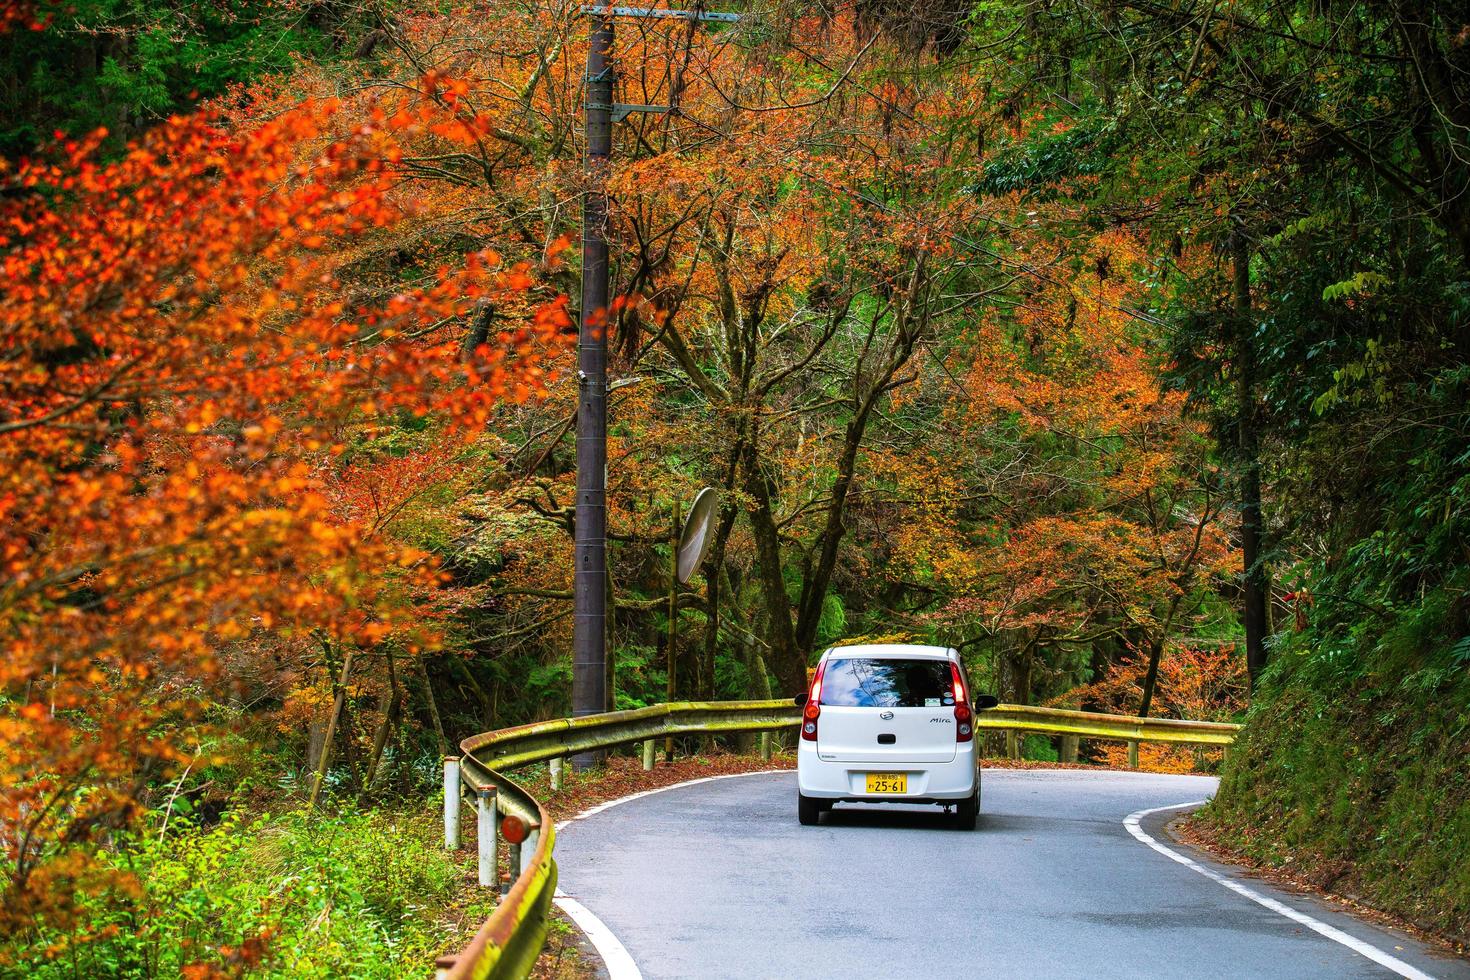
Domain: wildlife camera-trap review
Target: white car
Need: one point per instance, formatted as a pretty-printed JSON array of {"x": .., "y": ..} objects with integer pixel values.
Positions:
[{"x": 889, "y": 723}]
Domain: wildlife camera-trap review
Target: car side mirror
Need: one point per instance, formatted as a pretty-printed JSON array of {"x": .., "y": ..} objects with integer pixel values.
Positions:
[
  {"x": 983, "y": 701},
  {"x": 799, "y": 700}
]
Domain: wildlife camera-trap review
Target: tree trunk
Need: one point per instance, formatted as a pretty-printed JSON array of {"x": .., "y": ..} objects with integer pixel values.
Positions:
[
  {"x": 814, "y": 588},
  {"x": 1257, "y": 588},
  {"x": 487, "y": 706},
  {"x": 672, "y": 641},
  {"x": 760, "y": 676},
  {"x": 1155, "y": 653},
  {"x": 315, "y": 733},
  {"x": 433, "y": 704},
  {"x": 714, "y": 564},
  {"x": 1151, "y": 677},
  {"x": 380, "y": 740},
  {"x": 1018, "y": 666},
  {"x": 790, "y": 663},
  {"x": 1443, "y": 114},
  {"x": 325, "y": 759}
]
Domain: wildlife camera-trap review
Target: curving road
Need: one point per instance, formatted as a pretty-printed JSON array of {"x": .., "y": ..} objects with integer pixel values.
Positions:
[{"x": 716, "y": 879}]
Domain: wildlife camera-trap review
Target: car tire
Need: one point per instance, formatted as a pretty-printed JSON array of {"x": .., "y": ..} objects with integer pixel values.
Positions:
[
  {"x": 808, "y": 810},
  {"x": 968, "y": 812}
]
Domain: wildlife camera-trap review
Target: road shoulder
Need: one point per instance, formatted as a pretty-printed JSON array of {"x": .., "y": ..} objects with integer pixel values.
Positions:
[{"x": 1428, "y": 954}]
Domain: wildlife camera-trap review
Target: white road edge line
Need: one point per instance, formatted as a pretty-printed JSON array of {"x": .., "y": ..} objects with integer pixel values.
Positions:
[
  {"x": 1321, "y": 928},
  {"x": 614, "y": 954}
]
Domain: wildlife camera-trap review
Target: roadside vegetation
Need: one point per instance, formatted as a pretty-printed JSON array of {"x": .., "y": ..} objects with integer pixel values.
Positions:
[
  {"x": 1358, "y": 782},
  {"x": 362, "y": 893},
  {"x": 1122, "y": 346}
]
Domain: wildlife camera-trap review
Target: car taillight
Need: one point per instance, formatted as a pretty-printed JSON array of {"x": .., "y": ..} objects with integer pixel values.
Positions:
[
  {"x": 813, "y": 708},
  {"x": 964, "y": 718}
]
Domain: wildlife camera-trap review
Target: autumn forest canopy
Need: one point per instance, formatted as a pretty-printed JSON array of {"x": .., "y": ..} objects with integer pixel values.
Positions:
[{"x": 1120, "y": 344}]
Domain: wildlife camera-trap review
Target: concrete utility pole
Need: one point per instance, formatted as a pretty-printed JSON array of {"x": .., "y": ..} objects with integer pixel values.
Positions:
[
  {"x": 589, "y": 580},
  {"x": 589, "y": 638}
]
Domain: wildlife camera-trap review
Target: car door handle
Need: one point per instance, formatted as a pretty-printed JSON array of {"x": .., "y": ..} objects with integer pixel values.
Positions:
[{"x": 887, "y": 738}]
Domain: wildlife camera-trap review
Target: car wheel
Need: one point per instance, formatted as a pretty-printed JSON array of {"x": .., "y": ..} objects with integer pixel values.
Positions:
[
  {"x": 808, "y": 810},
  {"x": 967, "y": 812}
]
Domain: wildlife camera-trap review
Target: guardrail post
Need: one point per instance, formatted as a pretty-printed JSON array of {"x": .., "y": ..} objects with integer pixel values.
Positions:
[
  {"x": 451, "y": 803},
  {"x": 1013, "y": 744},
  {"x": 1069, "y": 748},
  {"x": 1133, "y": 753},
  {"x": 765, "y": 746},
  {"x": 513, "y": 861},
  {"x": 556, "y": 765},
  {"x": 487, "y": 838},
  {"x": 528, "y": 850},
  {"x": 648, "y": 749}
]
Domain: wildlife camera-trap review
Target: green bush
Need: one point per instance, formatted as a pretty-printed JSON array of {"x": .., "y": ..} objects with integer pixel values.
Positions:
[
  {"x": 1039, "y": 748},
  {"x": 360, "y": 894}
]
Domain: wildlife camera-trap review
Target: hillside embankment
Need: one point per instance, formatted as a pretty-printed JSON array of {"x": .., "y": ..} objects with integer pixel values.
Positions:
[{"x": 1358, "y": 786}]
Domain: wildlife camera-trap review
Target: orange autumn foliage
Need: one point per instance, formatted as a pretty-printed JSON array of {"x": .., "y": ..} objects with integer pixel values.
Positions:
[
  {"x": 18, "y": 15},
  {"x": 1132, "y": 520},
  {"x": 1199, "y": 684},
  {"x": 180, "y": 366}
]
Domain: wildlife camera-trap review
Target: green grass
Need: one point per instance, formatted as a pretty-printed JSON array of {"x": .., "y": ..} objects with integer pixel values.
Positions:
[{"x": 298, "y": 894}]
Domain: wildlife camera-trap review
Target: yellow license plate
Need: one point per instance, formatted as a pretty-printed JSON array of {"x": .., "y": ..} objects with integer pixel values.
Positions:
[{"x": 888, "y": 782}]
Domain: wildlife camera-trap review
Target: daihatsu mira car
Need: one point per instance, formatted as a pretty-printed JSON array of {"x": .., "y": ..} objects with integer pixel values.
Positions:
[{"x": 889, "y": 723}]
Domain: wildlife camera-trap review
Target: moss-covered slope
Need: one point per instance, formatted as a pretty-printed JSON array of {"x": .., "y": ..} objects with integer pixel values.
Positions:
[{"x": 1360, "y": 784}]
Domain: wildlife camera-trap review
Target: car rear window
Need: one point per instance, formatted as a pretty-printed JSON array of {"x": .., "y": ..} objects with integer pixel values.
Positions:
[{"x": 886, "y": 683}]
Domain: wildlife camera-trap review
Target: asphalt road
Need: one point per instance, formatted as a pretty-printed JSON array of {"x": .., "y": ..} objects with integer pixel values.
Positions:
[{"x": 717, "y": 879}]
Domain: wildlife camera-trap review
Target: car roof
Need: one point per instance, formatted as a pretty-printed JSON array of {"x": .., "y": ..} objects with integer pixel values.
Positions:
[{"x": 881, "y": 650}]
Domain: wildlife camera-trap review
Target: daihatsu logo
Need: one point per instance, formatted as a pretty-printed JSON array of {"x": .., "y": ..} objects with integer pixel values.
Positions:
[{"x": 886, "y": 716}]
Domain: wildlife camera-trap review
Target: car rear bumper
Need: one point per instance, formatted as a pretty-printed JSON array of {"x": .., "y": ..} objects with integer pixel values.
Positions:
[{"x": 928, "y": 782}]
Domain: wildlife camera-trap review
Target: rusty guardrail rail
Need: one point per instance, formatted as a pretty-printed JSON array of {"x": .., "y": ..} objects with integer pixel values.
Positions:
[
  {"x": 1058, "y": 721},
  {"x": 507, "y": 944}
]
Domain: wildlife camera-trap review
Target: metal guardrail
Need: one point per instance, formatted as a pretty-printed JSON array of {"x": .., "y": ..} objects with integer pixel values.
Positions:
[
  {"x": 507, "y": 944},
  {"x": 512, "y": 747},
  {"x": 1057, "y": 721},
  {"x": 509, "y": 941}
]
